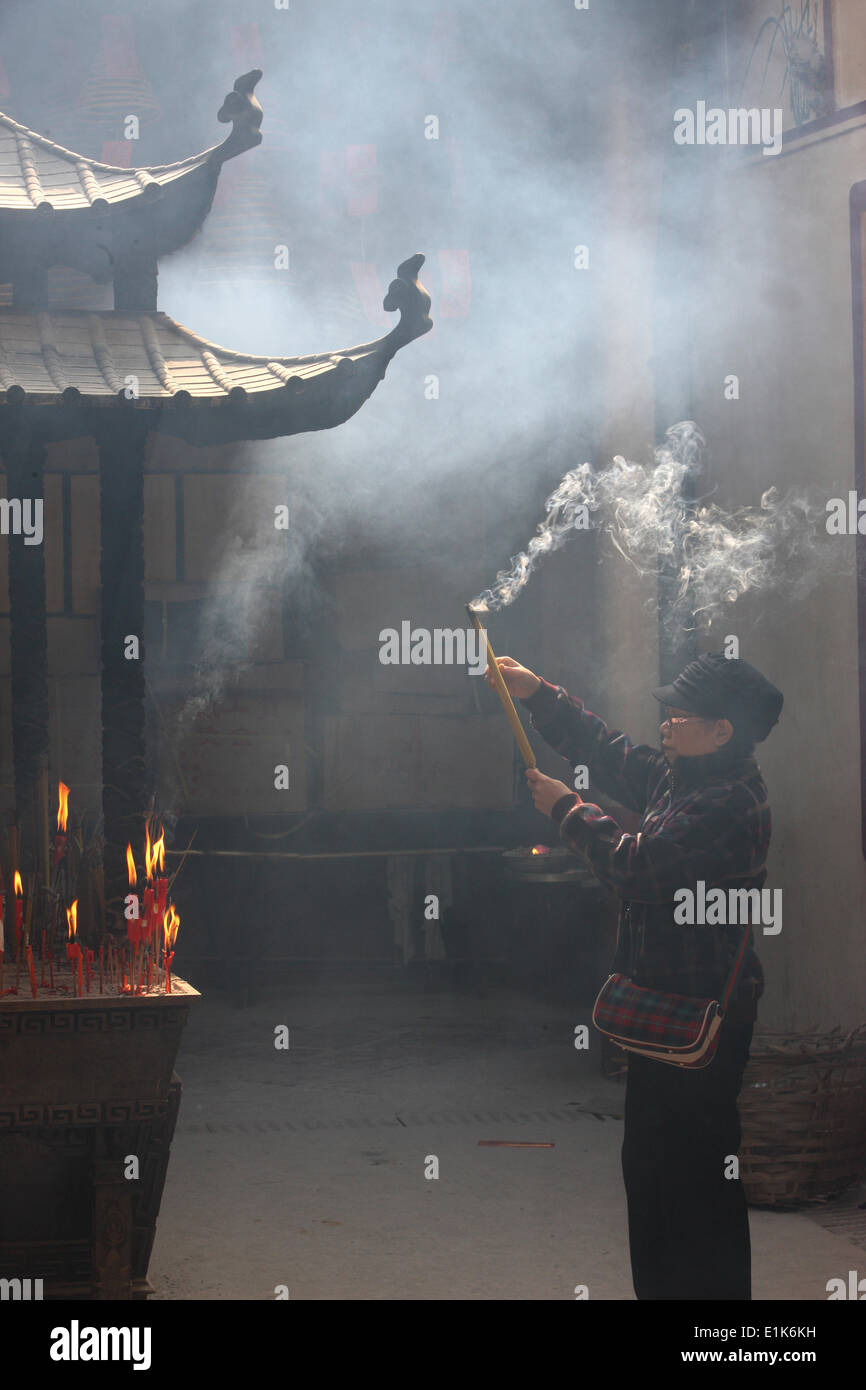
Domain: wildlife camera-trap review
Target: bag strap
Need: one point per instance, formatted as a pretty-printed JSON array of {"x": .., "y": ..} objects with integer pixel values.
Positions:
[{"x": 734, "y": 971}]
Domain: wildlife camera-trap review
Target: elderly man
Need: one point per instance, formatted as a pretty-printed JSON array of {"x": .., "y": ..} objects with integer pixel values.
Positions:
[{"x": 705, "y": 816}]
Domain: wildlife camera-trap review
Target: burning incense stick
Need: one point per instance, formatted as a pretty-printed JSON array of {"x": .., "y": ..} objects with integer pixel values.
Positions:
[
  {"x": 514, "y": 1144},
  {"x": 502, "y": 692}
]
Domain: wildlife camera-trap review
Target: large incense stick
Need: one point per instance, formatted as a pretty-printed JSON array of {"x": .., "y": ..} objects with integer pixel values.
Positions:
[{"x": 502, "y": 692}]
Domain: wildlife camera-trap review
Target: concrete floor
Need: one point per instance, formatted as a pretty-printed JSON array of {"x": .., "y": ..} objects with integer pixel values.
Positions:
[{"x": 305, "y": 1167}]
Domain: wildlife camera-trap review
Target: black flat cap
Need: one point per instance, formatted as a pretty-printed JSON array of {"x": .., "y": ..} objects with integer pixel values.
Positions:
[{"x": 722, "y": 687}]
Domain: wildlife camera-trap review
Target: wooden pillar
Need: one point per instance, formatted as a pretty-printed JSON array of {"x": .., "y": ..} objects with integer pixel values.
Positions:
[
  {"x": 24, "y": 460},
  {"x": 135, "y": 283},
  {"x": 125, "y": 790}
]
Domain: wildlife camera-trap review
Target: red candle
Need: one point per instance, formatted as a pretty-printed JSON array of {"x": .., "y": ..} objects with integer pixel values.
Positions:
[
  {"x": 72, "y": 946},
  {"x": 19, "y": 922}
]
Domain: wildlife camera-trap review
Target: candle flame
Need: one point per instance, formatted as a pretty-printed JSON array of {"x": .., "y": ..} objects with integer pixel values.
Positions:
[
  {"x": 148, "y": 857},
  {"x": 540, "y": 849},
  {"x": 62, "y": 805},
  {"x": 19, "y": 891},
  {"x": 130, "y": 866},
  {"x": 72, "y": 920},
  {"x": 170, "y": 928},
  {"x": 158, "y": 859}
]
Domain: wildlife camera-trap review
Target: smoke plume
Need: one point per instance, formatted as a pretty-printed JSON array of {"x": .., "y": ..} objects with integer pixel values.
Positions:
[{"x": 714, "y": 556}]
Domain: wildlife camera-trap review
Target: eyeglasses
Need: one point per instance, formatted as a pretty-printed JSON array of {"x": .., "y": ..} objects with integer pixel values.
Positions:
[{"x": 682, "y": 719}]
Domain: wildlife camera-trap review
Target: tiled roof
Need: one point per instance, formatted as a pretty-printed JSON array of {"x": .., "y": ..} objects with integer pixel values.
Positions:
[
  {"x": 45, "y": 353},
  {"x": 36, "y": 173},
  {"x": 147, "y": 360}
]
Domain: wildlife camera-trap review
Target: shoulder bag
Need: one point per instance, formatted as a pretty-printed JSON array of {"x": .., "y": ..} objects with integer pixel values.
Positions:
[{"x": 673, "y": 1028}]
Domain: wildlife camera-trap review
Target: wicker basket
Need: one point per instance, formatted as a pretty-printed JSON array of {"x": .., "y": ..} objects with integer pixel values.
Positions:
[{"x": 803, "y": 1112}]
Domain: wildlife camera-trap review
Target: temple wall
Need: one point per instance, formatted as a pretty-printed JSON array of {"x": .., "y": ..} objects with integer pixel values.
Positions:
[{"x": 786, "y": 264}]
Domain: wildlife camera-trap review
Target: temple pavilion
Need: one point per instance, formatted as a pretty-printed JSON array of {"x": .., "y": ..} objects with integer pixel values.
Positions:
[{"x": 118, "y": 375}]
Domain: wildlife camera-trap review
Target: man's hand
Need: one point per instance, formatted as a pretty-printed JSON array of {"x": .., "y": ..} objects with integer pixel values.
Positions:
[
  {"x": 546, "y": 791},
  {"x": 519, "y": 680}
]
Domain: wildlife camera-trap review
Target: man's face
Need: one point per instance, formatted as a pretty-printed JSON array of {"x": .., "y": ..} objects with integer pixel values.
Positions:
[{"x": 688, "y": 735}]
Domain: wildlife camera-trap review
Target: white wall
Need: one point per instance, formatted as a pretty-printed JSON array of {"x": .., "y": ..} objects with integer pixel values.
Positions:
[{"x": 778, "y": 312}]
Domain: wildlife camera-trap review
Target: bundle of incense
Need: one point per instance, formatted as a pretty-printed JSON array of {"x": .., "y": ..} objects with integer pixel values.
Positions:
[{"x": 502, "y": 691}]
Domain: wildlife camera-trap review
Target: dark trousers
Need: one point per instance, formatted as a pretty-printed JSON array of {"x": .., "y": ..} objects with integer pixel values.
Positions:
[{"x": 688, "y": 1226}]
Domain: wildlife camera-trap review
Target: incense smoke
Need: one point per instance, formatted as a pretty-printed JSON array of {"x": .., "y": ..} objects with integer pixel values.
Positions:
[
  {"x": 260, "y": 575},
  {"x": 714, "y": 556},
  {"x": 231, "y": 618},
  {"x": 234, "y": 617}
]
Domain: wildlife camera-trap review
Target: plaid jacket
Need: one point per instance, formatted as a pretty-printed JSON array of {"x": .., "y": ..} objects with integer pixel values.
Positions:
[{"x": 708, "y": 818}]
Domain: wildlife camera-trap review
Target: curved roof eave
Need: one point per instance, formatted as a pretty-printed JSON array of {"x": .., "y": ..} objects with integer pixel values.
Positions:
[
  {"x": 81, "y": 362},
  {"x": 39, "y": 176}
]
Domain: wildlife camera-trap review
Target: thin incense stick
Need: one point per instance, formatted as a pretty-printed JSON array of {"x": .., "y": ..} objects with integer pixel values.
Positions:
[
  {"x": 502, "y": 692},
  {"x": 183, "y": 861},
  {"x": 514, "y": 1144}
]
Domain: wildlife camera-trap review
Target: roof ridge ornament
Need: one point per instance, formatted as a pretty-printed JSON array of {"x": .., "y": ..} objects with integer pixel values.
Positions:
[
  {"x": 245, "y": 113},
  {"x": 407, "y": 294}
]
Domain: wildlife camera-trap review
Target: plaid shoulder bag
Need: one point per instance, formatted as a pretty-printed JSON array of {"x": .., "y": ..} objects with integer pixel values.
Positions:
[{"x": 673, "y": 1028}]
